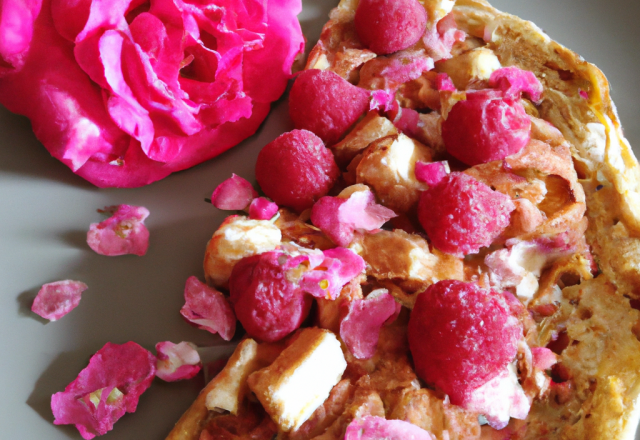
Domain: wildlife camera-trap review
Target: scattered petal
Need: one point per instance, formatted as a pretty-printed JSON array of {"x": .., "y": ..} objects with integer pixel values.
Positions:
[
  {"x": 235, "y": 193},
  {"x": 208, "y": 309},
  {"x": 382, "y": 100},
  {"x": 107, "y": 388},
  {"x": 431, "y": 172},
  {"x": 543, "y": 358},
  {"x": 513, "y": 81},
  {"x": 262, "y": 209},
  {"x": 177, "y": 361},
  {"x": 377, "y": 428},
  {"x": 360, "y": 329},
  {"x": 54, "y": 300},
  {"x": 122, "y": 233},
  {"x": 339, "y": 266},
  {"x": 445, "y": 83}
]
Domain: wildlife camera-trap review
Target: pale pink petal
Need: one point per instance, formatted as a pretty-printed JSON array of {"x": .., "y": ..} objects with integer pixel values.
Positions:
[
  {"x": 431, "y": 172},
  {"x": 513, "y": 81},
  {"x": 543, "y": 358},
  {"x": 54, "y": 300},
  {"x": 444, "y": 83},
  {"x": 208, "y": 309},
  {"x": 440, "y": 39},
  {"x": 262, "y": 209},
  {"x": 381, "y": 100},
  {"x": 338, "y": 218},
  {"x": 177, "y": 361},
  {"x": 107, "y": 388},
  {"x": 405, "y": 66},
  {"x": 340, "y": 265},
  {"x": 235, "y": 193},
  {"x": 378, "y": 428},
  {"x": 360, "y": 329},
  {"x": 122, "y": 233},
  {"x": 499, "y": 399}
]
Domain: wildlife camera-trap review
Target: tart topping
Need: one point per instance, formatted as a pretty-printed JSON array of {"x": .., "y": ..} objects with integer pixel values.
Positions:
[
  {"x": 513, "y": 81},
  {"x": 262, "y": 209},
  {"x": 339, "y": 266},
  {"x": 461, "y": 336},
  {"x": 107, "y": 388},
  {"x": 431, "y": 172},
  {"x": 461, "y": 214},
  {"x": 208, "y": 309},
  {"x": 54, "y": 300},
  {"x": 387, "y": 26},
  {"x": 177, "y": 361},
  {"x": 484, "y": 128},
  {"x": 323, "y": 102},
  {"x": 235, "y": 193},
  {"x": 375, "y": 428},
  {"x": 122, "y": 233},
  {"x": 267, "y": 303},
  {"x": 296, "y": 169},
  {"x": 360, "y": 329}
]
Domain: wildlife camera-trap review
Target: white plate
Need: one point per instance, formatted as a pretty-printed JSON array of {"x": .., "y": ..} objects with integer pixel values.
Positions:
[{"x": 46, "y": 211}]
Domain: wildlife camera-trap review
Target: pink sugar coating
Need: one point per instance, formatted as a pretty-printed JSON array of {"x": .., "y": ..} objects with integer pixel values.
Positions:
[
  {"x": 54, "y": 300},
  {"x": 514, "y": 81},
  {"x": 296, "y": 169},
  {"x": 326, "y": 104},
  {"x": 461, "y": 336},
  {"x": 208, "y": 309},
  {"x": 262, "y": 209},
  {"x": 91, "y": 401},
  {"x": 122, "y": 233},
  {"x": 177, "y": 361},
  {"x": 234, "y": 193},
  {"x": 340, "y": 265},
  {"x": 431, "y": 172},
  {"x": 268, "y": 305},
  {"x": 338, "y": 218},
  {"x": 386, "y": 26},
  {"x": 461, "y": 214},
  {"x": 482, "y": 128},
  {"x": 360, "y": 329},
  {"x": 377, "y": 428}
]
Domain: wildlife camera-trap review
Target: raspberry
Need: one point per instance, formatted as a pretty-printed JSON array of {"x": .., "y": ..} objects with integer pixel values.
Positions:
[
  {"x": 485, "y": 128},
  {"x": 461, "y": 214},
  {"x": 323, "y": 102},
  {"x": 461, "y": 336},
  {"x": 387, "y": 26},
  {"x": 296, "y": 169},
  {"x": 266, "y": 303}
]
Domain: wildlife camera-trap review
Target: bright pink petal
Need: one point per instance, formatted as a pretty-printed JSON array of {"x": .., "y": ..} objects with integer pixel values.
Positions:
[
  {"x": 444, "y": 83},
  {"x": 54, "y": 300},
  {"x": 340, "y": 266},
  {"x": 543, "y": 358},
  {"x": 122, "y": 233},
  {"x": 381, "y": 100},
  {"x": 406, "y": 66},
  {"x": 406, "y": 121},
  {"x": 377, "y": 428},
  {"x": 208, "y": 309},
  {"x": 513, "y": 81},
  {"x": 338, "y": 218},
  {"x": 235, "y": 193},
  {"x": 262, "y": 209},
  {"x": 107, "y": 388},
  {"x": 177, "y": 361},
  {"x": 431, "y": 172},
  {"x": 360, "y": 329},
  {"x": 17, "y": 18}
]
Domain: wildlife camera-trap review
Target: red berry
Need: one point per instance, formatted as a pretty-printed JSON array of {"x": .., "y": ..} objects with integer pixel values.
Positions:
[
  {"x": 461, "y": 336},
  {"x": 296, "y": 169},
  {"x": 266, "y": 303},
  {"x": 387, "y": 26},
  {"x": 323, "y": 102},
  {"x": 461, "y": 214},
  {"x": 485, "y": 128}
]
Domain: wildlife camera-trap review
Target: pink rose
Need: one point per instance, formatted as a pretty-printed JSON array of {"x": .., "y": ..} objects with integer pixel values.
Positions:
[{"x": 125, "y": 92}]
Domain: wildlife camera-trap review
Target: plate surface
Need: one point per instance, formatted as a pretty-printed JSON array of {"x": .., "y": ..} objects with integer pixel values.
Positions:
[{"x": 46, "y": 211}]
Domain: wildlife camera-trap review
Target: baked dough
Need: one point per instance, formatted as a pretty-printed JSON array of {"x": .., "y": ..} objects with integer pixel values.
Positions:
[{"x": 590, "y": 313}]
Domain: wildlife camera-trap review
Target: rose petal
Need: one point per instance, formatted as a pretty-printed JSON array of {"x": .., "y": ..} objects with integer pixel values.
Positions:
[
  {"x": 122, "y": 233},
  {"x": 513, "y": 81},
  {"x": 339, "y": 266},
  {"x": 440, "y": 39},
  {"x": 208, "y": 309},
  {"x": 54, "y": 300},
  {"x": 381, "y": 100},
  {"x": 376, "y": 428},
  {"x": 543, "y": 358},
  {"x": 262, "y": 209},
  {"x": 360, "y": 329},
  {"x": 177, "y": 361},
  {"x": 432, "y": 172},
  {"x": 338, "y": 218},
  {"x": 444, "y": 83},
  {"x": 17, "y": 18},
  {"x": 235, "y": 193},
  {"x": 107, "y": 388}
]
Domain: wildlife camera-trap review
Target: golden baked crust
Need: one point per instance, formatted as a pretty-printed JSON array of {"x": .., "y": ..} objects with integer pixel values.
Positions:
[{"x": 588, "y": 313}]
